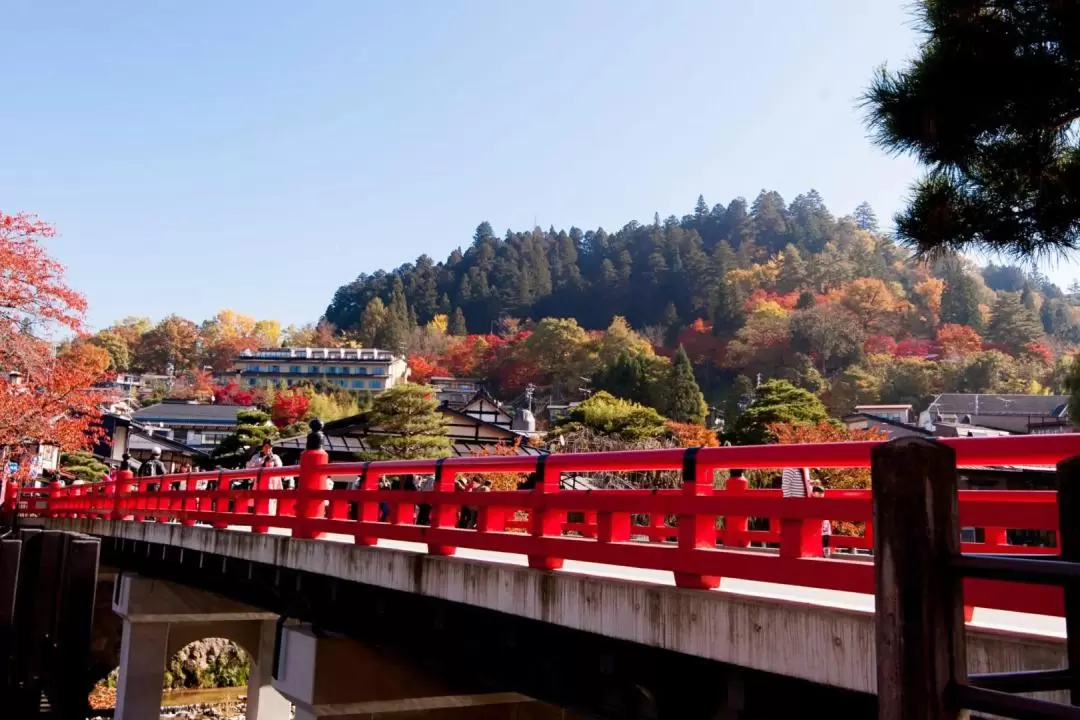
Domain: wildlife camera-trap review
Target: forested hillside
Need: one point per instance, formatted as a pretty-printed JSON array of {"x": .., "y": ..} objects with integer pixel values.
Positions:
[
  {"x": 774, "y": 289},
  {"x": 641, "y": 272}
]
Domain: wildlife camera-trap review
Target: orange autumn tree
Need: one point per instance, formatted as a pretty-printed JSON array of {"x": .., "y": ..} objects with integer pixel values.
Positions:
[{"x": 45, "y": 397}]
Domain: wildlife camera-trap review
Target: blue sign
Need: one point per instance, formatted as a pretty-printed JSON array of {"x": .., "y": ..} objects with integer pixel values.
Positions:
[{"x": 12, "y": 467}]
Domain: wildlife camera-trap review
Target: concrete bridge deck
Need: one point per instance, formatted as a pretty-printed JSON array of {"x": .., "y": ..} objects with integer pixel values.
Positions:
[{"x": 821, "y": 636}]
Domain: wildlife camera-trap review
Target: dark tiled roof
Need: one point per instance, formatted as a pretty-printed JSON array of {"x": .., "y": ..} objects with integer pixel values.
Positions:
[
  {"x": 350, "y": 444},
  {"x": 1018, "y": 405},
  {"x": 142, "y": 440},
  {"x": 175, "y": 412}
]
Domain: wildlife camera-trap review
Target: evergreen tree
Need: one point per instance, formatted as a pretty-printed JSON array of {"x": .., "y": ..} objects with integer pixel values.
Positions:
[
  {"x": 806, "y": 300},
  {"x": 738, "y": 399},
  {"x": 373, "y": 321},
  {"x": 457, "y": 325},
  {"x": 960, "y": 299},
  {"x": 865, "y": 218},
  {"x": 1011, "y": 324},
  {"x": 683, "y": 399},
  {"x": 776, "y": 401},
  {"x": 793, "y": 273},
  {"x": 406, "y": 424},
  {"x": 625, "y": 378},
  {"x": 672, "y": 325},
  {"x": 990, "y": 104},
  {"x": 253, "y": 428}
]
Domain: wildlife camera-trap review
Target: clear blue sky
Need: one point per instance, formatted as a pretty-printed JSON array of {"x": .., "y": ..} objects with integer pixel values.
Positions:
[{"x": 197, "y": 156}]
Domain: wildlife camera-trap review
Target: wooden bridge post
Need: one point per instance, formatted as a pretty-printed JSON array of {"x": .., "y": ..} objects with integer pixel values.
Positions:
[
  {"x": 919, "y": 599},
  {"x": 1068, "y": 539},
  {"x": 311, "y": 480}
]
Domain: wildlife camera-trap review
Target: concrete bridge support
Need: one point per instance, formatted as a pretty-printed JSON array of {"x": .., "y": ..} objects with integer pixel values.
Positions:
[
  {"x": 160, "y": 618},
  {"x": 332, "y": 676}
]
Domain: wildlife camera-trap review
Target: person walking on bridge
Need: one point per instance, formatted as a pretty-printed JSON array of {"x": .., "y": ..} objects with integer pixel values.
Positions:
[{"x": 153, "y": 468}]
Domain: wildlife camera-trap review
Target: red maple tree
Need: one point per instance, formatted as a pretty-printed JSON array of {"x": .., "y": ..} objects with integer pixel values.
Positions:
[
  {"x": 45, "y": 397},
  {"x": 288, "y": 408}
]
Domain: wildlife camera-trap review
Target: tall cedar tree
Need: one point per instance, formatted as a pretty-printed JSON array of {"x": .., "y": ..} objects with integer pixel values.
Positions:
[
  {"x": 456, "y": 324},
  {"x": 683, "y": 399},
  {"x": 1011, "y": 324},
  {"x": 960, "y": 299},
  {"x": 990, "y": 105},
  {"x": 407, "y": 424}
]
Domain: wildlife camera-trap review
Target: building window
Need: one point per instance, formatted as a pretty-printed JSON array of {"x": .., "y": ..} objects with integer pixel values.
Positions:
[
  {"x": 254, "y": 368},
  {"x": 251, "y": 381},
  {"x": 344, "y": 371},
  {"x": 313, "y": 369},
  {"x": 358, "y": 383},
  {"x": 180, "y": 436},
  {"x": 375, "y": 384},
  {"x": 380, "y": 371},
  {"x": 275, "y": 368},
  {"x": 294, "y": 369}
]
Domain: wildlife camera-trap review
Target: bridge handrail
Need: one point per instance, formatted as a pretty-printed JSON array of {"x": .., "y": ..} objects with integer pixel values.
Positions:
[{"x": 680, "y": 527}]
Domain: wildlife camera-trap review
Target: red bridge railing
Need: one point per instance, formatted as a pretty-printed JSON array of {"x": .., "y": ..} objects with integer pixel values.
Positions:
[{"x": 699, "y": 534}]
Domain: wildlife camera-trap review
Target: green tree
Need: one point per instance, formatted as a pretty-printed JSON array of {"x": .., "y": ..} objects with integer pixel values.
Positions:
[
  {"x": 737, "y": 399},
  {"x": 83, "y": 466},
  {"x": 990, "y": 104},
  {"x": 1072, "y": 384},
  {"x": 854, "y": 386},
  {"x": 865, "y": 218},
  {"x": 373, "y": 322},
  {"x": 118, "y": 349},
  {"x": 960, "y": 299},
  {"x": 1012, "y": 324},
  {"x": 828, "y": 333},
  {"x": 776, "y": 401},
  {"x": 253, "y": 428},
  {"x": 408, "y": 424},
  {"x": 683, "y": 399},
  {"x": 456, "y": 325},
  {"x": 610, "y": 415}
]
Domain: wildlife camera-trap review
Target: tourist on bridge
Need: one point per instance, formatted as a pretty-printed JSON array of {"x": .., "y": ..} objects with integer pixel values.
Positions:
[
  {"x": 795, "y": 482},
  {"x": 267, "y": 458},
  {"x": 153, "y": 468},
  {"x": 826, "y": 526}
]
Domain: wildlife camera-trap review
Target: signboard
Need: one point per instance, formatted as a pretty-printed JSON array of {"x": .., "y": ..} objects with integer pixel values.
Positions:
[
  {"x": 12, "y": 467},
  {"x": 49, "y": 455}
]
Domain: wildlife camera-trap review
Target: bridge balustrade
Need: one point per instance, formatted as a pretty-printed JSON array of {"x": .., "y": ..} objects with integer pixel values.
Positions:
[{"x": 698, "y": 532}]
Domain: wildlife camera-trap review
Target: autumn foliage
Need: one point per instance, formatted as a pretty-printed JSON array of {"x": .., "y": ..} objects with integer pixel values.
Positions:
[{"x": 44, "y": 397}]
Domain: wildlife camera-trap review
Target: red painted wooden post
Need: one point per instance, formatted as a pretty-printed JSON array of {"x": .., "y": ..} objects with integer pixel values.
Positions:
[
  {"x": 1068, "y": 541},
  {"x": 262, "y": 504},
  {"x": 444, "y": 515},
  {"x": 613, "y": 527},
  {"x": 311, "y": 480},
  {"x": 217, "y": 503},
  {"x": 544, "y": 522},
  {"x": 367, "y": 510},
  {"x": 800, "y": 538},
  {"x": 490, "y": 519},
  {"x": 736, "y": 526},
  {"x": 696, "y": 530},
  {"x": 995, "y": 537},
  {"x": 53, "y": 501},
  {"x": 189, "y": 502},
  {"x": 122, "y": 489}
]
